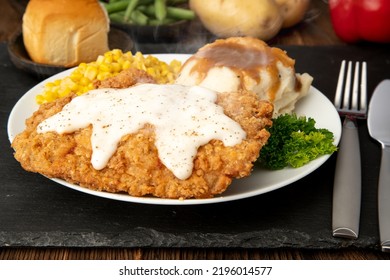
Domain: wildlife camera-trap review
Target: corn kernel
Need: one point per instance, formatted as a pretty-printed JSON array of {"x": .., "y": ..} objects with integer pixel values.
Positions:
[
  {"x": 110, "y": 64},
  {"x": 76, "y": 75},
  {"x": 116, "y": 67},
  {"x": 82, "y": 66},
  {"x": 84, "y": 81},
  {"x": 64, "y": 92},
  {"x": 105, "y": 67},
  {"x": 99, "y": 59},
  {"x": 91, "y": 72}
]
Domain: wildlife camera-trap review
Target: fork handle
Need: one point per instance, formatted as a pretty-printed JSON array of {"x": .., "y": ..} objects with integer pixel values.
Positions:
[
  {"x": 384, "y": 198},
  {"x": 347, "y": 184}
]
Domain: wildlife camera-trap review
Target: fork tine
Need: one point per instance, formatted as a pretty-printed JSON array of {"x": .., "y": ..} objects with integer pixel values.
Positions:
[
  {"x": 351, "y": 91},
  {"x": 340, "y": 85},
  {"x": 363, "y": 88},
  {"x": 347, "y": 88},
  {"x": 356, "y": 87}
]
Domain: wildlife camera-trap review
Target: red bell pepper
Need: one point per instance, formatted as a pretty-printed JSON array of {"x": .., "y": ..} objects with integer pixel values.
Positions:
[{"x": 356, "y": 20}]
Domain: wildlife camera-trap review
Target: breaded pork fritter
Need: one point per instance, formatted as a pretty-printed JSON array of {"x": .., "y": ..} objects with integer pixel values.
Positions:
[
  {"x": 125, "y": 78},
  {"x": 135, "y": 167}
]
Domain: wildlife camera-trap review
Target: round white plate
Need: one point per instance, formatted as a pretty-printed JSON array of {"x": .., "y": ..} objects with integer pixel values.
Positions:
[{"x": 314, "y": 105}]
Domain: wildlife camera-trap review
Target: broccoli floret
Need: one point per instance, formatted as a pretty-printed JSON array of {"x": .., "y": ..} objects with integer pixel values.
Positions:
[{"x": 295, "y": 141}]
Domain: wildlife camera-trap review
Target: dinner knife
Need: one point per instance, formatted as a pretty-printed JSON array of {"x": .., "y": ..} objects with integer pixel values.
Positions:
[{"x": 378, "y": 121}]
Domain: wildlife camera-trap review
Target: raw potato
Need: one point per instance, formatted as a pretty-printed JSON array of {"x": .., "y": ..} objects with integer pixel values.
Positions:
[
  {"x": 230, "y": 18},
  {"x": 293, "y": 11}
]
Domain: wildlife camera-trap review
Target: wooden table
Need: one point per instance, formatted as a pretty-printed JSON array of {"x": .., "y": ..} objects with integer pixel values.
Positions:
[{"x": 315, "y": 30}]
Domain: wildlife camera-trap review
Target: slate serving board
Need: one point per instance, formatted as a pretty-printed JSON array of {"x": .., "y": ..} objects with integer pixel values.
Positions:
[{"x": 35, "y": 211}]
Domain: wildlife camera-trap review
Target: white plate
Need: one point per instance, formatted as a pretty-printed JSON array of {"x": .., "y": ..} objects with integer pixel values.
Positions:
[{"x": 314, "y": 105}]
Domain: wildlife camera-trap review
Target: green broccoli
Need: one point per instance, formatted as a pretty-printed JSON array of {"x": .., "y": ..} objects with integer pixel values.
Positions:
[{"x": 295, "y": 141}]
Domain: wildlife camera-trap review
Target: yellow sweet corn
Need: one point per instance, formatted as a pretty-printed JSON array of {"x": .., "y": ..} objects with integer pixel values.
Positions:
[{"x": 81, "y": 79}]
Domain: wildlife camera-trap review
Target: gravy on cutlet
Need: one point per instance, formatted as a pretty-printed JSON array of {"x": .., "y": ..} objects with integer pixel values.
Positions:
[{"x": 184, "y": 118}]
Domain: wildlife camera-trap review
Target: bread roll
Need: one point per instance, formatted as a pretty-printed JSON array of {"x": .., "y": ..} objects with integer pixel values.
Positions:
[{"x": 65, "y": 33}]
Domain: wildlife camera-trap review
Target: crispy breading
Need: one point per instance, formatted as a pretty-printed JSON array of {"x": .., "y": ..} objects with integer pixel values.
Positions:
[
  {"x": 135, "y": 167},
  {"x": 125, "y": 78}
]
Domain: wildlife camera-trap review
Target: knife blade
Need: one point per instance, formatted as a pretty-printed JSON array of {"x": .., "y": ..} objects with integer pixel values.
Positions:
[{"x": 378, "y": 122}]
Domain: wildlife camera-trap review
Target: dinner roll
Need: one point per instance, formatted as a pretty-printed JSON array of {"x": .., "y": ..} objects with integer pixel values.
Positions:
[{"x": 65, "y": 33}]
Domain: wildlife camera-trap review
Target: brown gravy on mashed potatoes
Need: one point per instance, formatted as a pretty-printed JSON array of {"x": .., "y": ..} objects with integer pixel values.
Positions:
[
  {"x": 252, "y": 60},
  {"x": 244, "y": 64}
]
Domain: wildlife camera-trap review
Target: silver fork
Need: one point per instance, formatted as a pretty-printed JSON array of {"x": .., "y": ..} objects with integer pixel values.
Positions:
[{"x": 351, "y": 104}]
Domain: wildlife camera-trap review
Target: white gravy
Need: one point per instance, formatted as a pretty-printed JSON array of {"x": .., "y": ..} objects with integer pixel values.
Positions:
[{"x": 184, "y": 119}]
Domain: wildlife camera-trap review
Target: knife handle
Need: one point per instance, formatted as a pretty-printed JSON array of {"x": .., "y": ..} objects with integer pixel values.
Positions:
[
  {"x": 347, "y": 184},
  {"x": 384, "y": 199}
]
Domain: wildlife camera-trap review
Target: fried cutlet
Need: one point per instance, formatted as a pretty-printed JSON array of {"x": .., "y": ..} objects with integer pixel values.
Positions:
[
  {"x": 125, "y": 78},
  {"x": 135, "y": 167}
]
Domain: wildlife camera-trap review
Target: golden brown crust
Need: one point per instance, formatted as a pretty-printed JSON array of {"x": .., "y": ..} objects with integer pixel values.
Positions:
[
  {"x": 135, "y": 167},
  {"x": 125, "y": 78}
]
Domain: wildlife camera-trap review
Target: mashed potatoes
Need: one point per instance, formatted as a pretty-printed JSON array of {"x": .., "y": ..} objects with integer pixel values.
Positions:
[{"x": 245, "y": 63}]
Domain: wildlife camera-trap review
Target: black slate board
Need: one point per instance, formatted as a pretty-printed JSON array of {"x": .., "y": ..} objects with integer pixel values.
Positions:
[{"x": 35, "y": 211}]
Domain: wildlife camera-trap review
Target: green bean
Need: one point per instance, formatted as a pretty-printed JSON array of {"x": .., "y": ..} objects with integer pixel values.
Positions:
[
  {"x": 172, "y": 12},
  {"x": 116, "y": 6},
  {"x": 130, "y": 8},
  {"x": 142, "y": 8},
  {"x": 180, "y": 13},
  {"x": 139, "y": 18},
  {"x": 148, "y": 10},
  {"x": 160, "y": 9},
  {"x": 117, "y": 17},
  {"x": 151, "y": 12}
]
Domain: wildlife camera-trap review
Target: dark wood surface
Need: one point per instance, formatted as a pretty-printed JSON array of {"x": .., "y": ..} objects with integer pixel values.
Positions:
[{"x": 316, "y": 30}]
